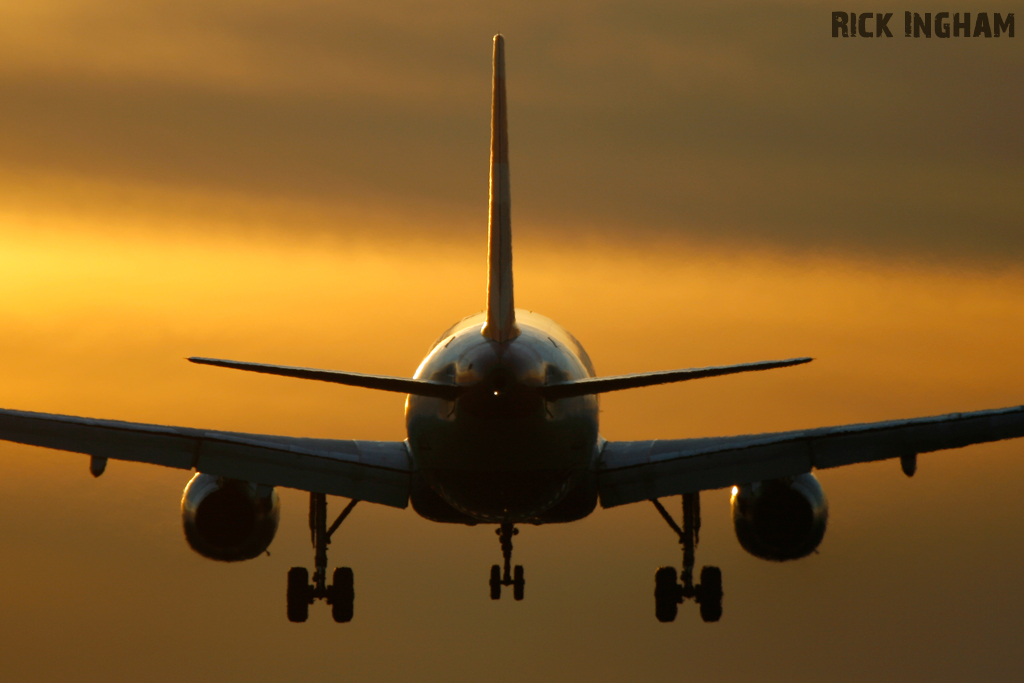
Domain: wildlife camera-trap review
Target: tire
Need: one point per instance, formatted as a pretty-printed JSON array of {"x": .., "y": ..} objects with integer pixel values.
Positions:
[
  {"x": 710, "y": 594},
  {"x": 711, "y": 580},
  {"x": 495, "y": 582},
  {"x": 666, "y": 594},
  {"x": 343, "y": 595},
  {"x": 519, "y": 583},
  {"x": 711, "y": 612},
  {"x": 665, "y": 576},
  {"x": 665, "y": 609},
  {"x": 298, "y": 594}
]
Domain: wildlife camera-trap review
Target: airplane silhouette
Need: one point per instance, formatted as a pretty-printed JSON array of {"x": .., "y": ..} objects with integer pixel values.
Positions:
[{"x": 502, "y": 425}]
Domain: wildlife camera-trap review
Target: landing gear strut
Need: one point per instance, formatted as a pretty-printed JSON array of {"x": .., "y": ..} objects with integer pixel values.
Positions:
[
  {"x": 514, "y": 578},
  {"x": 340, "y": 595},
  {"x": 668, "y": 592}
]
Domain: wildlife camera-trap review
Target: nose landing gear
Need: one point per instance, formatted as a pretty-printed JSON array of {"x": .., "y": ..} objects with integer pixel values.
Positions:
[
  {"x": 515, "y": 578},
  {"x": 340, "y": 595},
  {"x": 669, "y": 593}
]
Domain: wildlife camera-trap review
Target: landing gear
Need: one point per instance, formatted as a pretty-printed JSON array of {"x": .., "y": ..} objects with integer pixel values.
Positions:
[
  {"x": 340, "y": 595},
  {"x": 495, "y": 582},
  {"x": 515, "y": 579},
  {"x": 299, "y": 594},
  {"x": 670, "y": 592},
  {"x": 667, "y": 594},
  {"x": 709, "y": 594}
]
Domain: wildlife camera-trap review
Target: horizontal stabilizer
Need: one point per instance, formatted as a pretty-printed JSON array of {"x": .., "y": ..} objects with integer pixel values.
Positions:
[
  {"x": 401, "y": 385},
  {"x": 600, "y": 385}
]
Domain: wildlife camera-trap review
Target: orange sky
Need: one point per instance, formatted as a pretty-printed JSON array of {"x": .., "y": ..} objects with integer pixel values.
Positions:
[
  {"x": 98, "y": 321},
  {"x": 693, "y": 184}
]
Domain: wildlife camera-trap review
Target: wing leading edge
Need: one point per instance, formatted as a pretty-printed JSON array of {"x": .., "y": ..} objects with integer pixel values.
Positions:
[
  {"x": 372, "y": 471},
  {"x": 632, "y": 471}
]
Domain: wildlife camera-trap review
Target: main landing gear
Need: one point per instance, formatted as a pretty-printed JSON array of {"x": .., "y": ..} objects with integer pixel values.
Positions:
[
  {"x": 668, "y": 592},
  {"x": 515, "y": 579},
  {"x": 340, "y": 595}
]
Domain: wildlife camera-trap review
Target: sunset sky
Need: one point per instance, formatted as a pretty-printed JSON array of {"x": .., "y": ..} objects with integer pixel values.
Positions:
[{"x": 693, "y": 184}]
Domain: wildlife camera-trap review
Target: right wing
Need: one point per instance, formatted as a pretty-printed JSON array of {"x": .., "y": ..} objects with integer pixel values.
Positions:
[
  {"x": 372, "y": 471},
  {"x": 632, "y": 471}
]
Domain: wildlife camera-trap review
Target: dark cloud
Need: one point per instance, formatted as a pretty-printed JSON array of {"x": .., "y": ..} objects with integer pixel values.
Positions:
[{"x": 742, "y": 122}]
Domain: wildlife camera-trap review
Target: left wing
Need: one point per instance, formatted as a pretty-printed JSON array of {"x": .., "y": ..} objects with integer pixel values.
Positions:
[
  {"x": 372, "y": 471},
  {"x": 632, "y": 471}
]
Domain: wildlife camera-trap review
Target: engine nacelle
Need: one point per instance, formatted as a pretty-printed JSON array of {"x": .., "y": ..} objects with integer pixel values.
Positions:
[
  {"x": 228, "y": 519},
  {"x": 780, "y": 519}
]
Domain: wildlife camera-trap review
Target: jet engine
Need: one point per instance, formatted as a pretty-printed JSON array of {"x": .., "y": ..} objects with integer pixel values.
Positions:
[
  {"x": 228, "y": 519},
  {"x": 780, "y": 519}
]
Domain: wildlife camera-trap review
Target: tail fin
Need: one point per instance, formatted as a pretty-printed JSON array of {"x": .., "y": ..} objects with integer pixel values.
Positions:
[{"x": 501, "y": 315}]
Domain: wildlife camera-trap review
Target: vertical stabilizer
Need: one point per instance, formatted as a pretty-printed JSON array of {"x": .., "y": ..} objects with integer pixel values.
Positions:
[{"x": 501, "y": 315}]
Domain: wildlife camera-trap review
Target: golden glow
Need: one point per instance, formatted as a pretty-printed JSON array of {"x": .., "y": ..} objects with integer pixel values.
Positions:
[
  {"x": 304, "y": 183},
  {"x": 120, "y": 312},
  {"x": 98, "y": 323}
]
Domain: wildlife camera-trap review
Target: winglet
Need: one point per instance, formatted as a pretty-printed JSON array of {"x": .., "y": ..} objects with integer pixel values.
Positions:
[{"x": 501, "y": 316}]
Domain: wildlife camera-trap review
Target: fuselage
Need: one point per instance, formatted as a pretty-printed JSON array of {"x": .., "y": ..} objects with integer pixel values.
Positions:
[{"x": 501, "y": 452}]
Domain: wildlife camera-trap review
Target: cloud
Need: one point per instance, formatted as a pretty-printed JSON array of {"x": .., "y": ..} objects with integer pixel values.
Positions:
[{"x": 738, "y": 123}]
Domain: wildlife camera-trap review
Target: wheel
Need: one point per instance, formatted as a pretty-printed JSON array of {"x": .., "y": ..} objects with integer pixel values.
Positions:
[
  {"x": 710, "y": 594},
  {"x": 495, "y": 582},
  {"x": 711, "y": 580},
  {"x": 664, "y": 577},
  {"x": 518, "y": 582},
  {"x": 342, "y": 595},
  {"x": 666, "y": 594},
  {"x": 298, "y": 594}
]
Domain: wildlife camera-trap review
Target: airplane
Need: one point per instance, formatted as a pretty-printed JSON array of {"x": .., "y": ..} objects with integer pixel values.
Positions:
[{"x": 502, "y": 428}]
